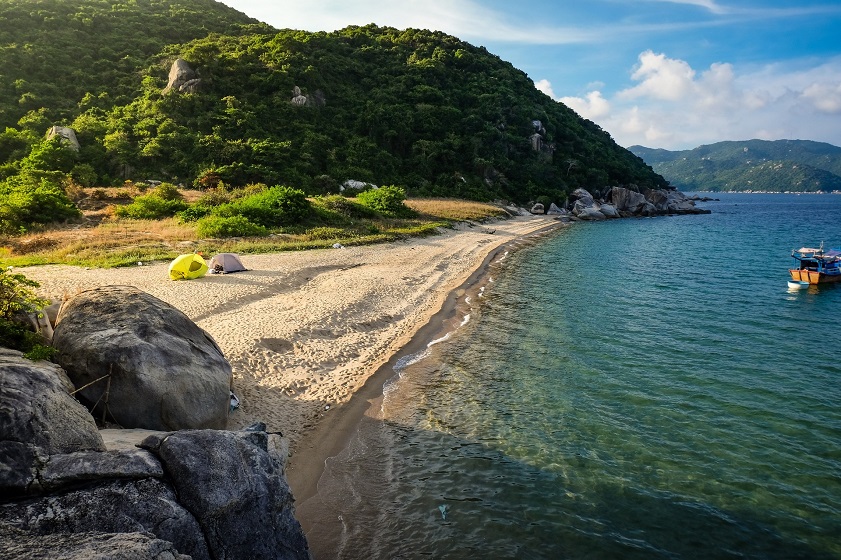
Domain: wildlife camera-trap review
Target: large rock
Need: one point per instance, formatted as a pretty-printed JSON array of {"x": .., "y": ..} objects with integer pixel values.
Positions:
[
  {"x": 182, "y": 78},
  {"x": 165, "y": 372},
  {"x": 111, "y": 506},
  {"x": 626, "y": 200},
  {"x": 38, "y": 418},
  {"x": 233, "y": 483},
  {"x": 15, "y": 543},
  {"x": 583, "y": 196},
  {"x": 67, "y": 136}
]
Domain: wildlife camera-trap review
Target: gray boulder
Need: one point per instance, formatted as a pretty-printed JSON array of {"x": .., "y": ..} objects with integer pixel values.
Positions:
[
  {"x": 583, "y": 196},
  {"x": 609, "y": 210},
  {"x": 67, "y": 136},
  {"x": 590, "y": 213},
  {"x": 15, "y": 543},
  {"x": 555, "y": 211},
  {"x": 233, "y": 483},
  {"x": 38, "y": 418},
  {"x": 161, "y": 371},
  {"x": 111, "y": 506},
  {"x": 537, "y": 208},
  {"x": 182, "y": 78},
  {"x": 626, "y": 200}
]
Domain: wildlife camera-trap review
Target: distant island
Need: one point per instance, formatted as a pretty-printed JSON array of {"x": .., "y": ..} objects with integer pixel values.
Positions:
[{"x": 750, "y": 165}]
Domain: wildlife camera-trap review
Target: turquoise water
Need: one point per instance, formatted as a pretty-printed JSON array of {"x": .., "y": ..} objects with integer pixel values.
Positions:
[{"x": 629, "y": 389}]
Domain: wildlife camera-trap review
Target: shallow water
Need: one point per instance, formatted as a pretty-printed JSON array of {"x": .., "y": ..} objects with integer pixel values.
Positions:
[{"x": 629, "y": 389}]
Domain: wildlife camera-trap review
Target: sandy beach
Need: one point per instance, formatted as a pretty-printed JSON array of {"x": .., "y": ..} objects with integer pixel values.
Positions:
[{"x": 304, "y": 331}]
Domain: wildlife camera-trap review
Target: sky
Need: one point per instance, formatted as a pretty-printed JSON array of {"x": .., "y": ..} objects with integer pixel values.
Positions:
[{"x": 672, "y": 74}]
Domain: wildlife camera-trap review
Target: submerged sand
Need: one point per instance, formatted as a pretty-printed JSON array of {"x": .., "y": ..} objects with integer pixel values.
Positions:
[{"x": 303, "y": 331}]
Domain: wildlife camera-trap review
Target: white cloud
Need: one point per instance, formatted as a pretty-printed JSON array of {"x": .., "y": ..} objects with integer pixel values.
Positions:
[
  {"x": 826, "y": 97},
  {"x": 546, "y": 87},
  {"x": 674, "y": 106},
  {"x": 592, "y": 107}
]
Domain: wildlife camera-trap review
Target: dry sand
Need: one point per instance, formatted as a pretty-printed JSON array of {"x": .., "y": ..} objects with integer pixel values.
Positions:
[{"x": 303, "y": 331}]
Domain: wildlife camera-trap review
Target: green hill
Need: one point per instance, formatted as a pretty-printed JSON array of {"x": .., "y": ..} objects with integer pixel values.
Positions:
[
  {"x": 751, "y": 165},
  {"x": 54, "y": 52},
  {"x": 414, "y": 108}
]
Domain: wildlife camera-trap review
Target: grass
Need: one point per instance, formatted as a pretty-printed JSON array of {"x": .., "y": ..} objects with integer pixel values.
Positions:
[{"x": 105, "y": 241}]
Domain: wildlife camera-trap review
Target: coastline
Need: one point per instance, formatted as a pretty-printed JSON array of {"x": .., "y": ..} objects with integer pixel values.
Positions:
[{"x": 310, "y": 334}]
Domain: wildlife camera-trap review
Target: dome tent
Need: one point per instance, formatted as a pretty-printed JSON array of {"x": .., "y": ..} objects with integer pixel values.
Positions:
[
  {"x": 224, "y": 263},
  {"x": 187, "y": 267}
]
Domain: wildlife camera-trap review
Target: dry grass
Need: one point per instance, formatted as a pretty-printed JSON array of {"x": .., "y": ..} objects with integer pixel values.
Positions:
[
  {"x": 455, "y": 210},
  {"x": 102, "y": 240}
]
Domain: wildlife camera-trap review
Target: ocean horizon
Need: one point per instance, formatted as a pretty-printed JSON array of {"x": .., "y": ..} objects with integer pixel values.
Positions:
[{"x": 637, "y": 388}]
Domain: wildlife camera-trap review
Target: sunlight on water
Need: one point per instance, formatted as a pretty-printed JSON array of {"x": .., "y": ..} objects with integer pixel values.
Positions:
[{"x": 629, "y": 389}]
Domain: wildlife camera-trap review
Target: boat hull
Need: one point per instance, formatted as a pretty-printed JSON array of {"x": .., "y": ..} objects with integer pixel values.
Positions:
[{"x": 813, "y": 276}]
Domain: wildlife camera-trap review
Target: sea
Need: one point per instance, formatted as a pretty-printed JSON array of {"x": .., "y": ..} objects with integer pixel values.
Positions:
[{"x": 629, "y": 389}]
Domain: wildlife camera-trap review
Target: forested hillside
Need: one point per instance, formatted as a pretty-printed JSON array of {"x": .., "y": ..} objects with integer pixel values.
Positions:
[
  {"x": 58, "y": 54},
  {"x": 751, "y": 165},
  {"x": 418, "y": 109}
]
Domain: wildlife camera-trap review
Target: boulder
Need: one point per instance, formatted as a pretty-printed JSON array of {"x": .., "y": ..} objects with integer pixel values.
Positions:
[
  {"x": 111, "y": 506},
  {"x": 182, "y": 78},
  {"x": 233, "y": 484},
  {"x": 67, "y": 136},
  {"x": 146, "y": 361},
  {"x": 625, "y": 200},
  {"x": 555, "y": 211},
  {"x": 590, "y": 213},
  {"x": 38, "y": 418},
  {"x": 609, "y": 210},
  {"x": 583, "y": 196},
  {"x": 538, "y": 208},
  {"x": 15, "y": 543}
]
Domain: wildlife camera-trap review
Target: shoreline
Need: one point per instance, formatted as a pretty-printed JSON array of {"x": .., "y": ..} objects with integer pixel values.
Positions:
[
  {"x": 312, "y": 336},
  {"x": 330, "y": 437}
]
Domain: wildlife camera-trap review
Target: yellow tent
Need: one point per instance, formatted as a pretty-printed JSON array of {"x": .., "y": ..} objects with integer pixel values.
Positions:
[{"x": 187, "y": 267}]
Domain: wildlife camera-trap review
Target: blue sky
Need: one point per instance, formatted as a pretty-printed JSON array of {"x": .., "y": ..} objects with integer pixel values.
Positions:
[{"x": 671, "y": 74}]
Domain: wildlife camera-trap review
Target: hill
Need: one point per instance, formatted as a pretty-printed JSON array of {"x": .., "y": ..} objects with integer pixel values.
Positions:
[
  {"x": 56, "y": 54},
  {"x": 421, "y": 110},
  {"x": 751, "y": 165}
]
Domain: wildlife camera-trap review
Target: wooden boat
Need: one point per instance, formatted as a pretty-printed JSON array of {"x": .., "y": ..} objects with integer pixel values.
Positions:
[{"x": 816, "y": 266}]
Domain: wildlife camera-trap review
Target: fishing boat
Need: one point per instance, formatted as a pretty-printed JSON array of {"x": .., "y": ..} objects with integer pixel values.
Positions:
[{"x": 816, "y": 266}]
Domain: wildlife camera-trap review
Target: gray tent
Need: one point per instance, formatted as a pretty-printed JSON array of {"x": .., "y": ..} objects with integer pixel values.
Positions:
[{"x": 224, "y": 263}]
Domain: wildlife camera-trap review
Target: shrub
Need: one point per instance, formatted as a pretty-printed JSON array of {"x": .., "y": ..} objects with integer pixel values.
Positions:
[
  {"x": 327, "y": 233},
  {"x": 168, "y": 191},
  {"x": 277, "y": 206},
  {"x": 229, "y": 226},
  {"x": 28, "y": 201},
  {"x": 345, "y": 207},
  {"x": 386, "y": 200},
  {"x": 150, "y": 207},
  {"x": 194, "y": 212},
  {"x": 17, "y": 296}
]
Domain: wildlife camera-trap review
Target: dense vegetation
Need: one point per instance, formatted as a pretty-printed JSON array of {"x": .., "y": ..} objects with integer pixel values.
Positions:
[
  {"x": 752, "y": 165},
  {"x": 421, "y": 110}
]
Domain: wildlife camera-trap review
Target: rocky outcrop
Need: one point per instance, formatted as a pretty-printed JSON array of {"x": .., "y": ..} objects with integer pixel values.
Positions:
[
  {"x": 143, "y": 359},
  {"x": 84, "y": 546},
  {"x": 38, "y": 418},
  {"x": 202, "y": 493},
  {"x": 182, "y": 78},
  {"x": 538, "y": 208},
  {"x": 66, "y": 135},
  {"x": 620, "y": 202}
]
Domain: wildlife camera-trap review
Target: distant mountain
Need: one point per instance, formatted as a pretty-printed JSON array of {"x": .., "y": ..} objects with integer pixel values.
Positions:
[{"x": 751, "y": 165}]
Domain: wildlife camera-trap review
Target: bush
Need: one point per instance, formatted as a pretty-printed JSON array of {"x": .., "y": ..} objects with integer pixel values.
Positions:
[
  {"x": 168, "y": 191},
  {"x": 345, "y": 207},
  {"x": 277, "y": 206},
  {"x": 327, "y": 233},
  {"x": 230, "y": 226},
  {"x": 386, "y": 200},
  {"x": 194, "y": 212},
  {"x": 29, "y": 201},
  {"x": 150, "y": 207},
  {"x": 17, "y": 296}
]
